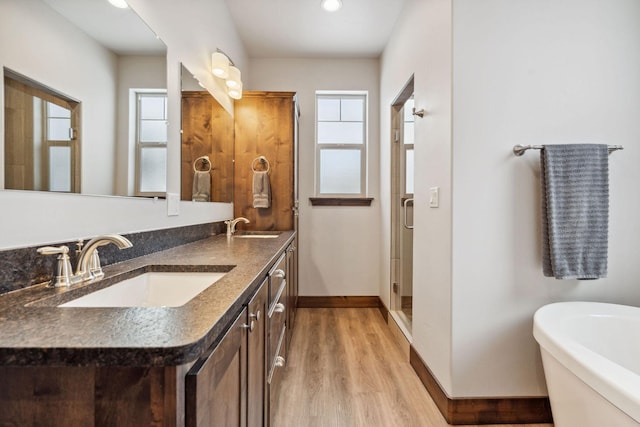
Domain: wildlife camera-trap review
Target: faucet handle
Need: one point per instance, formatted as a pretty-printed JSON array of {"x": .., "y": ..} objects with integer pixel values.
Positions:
[
  {"x": 53, "y": 250},
  {"x": 63, "y": 270}
]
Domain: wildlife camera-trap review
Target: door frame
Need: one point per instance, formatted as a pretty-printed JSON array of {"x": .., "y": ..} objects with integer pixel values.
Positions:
[{"x": 397, "y": 195}]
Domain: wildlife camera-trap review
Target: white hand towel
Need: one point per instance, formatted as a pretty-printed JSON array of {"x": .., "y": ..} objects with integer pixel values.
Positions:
[
  {"x": 201, "y": 186},
  {"x": 261, "y": 190}
]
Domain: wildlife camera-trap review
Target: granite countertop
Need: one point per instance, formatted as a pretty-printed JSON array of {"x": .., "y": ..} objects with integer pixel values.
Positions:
[{"x": 34, "y": 331}]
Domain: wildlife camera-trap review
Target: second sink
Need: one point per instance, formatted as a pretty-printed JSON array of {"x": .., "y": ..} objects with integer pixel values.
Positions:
[
  {"x": 154, "y": 289},
  {"x": 257, "y": 234}
]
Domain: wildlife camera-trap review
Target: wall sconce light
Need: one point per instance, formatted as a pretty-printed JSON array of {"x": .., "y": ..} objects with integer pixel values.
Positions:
[
  {"x": 224, "y": 68},
  {"x": 234, "y": 79},
  {"x": 235, "y": 92},
  {"x": 220, "y": 65}
]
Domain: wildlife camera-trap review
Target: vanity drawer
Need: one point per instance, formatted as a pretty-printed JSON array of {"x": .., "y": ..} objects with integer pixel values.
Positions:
[
  {"x": 277, "y": 317},
  {"x": 278, "y": 361},
  {"x": 277, "y": 278},
  {"x": 274, "y": 378}
]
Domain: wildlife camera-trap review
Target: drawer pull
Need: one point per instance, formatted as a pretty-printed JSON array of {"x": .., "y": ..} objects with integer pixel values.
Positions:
[
  {"x": 279, "y": 308},
  {"x": 279, "y": 361},
  {"x": 255, "y": 315},
  {"x": 279, "y": 274},
  {"x": 251, "y": 326}
]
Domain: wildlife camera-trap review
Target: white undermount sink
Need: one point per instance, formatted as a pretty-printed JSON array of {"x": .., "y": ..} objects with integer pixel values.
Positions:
[{"x": 150, "y": 290}]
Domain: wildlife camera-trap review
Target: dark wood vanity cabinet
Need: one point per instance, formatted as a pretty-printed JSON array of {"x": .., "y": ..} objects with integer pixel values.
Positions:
[
  {"x": 257, "y": 356},
  {"x": 227, "y": 387},
  {"x": 216, "y": 386},
  {"x": 235, "y": 383}
]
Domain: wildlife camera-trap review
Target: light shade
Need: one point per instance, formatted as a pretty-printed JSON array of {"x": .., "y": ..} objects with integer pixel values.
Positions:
[
  {"x": 235, "y": 92},
  {"x": 234, "y": 79},
  {"x": 220, "y": 65},
  {"x": 122, "y": 4},
  {"x": 331, "y": 5}
]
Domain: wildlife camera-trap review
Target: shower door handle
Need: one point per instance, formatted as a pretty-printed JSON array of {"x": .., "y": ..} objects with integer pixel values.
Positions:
[{"x": 405, "y": 205}]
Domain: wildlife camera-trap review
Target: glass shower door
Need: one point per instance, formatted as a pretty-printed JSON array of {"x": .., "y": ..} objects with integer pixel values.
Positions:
[{"x": 402, "y": 227}]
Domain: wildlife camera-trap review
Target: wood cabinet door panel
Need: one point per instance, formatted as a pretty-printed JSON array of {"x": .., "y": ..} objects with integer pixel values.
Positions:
[
  {"x": 256, "y": 356},
  {"x": 216, "y": 385}
]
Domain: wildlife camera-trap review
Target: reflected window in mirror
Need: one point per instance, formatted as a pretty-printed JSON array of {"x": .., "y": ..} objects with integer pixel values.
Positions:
[
  {"x": 41, "y": 137},
  {"x": 151, "y": 143}
]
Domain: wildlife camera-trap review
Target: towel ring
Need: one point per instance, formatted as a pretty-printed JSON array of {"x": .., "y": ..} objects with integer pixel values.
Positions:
[
  {"x": 261, "y": 159},
  {"x": 205, "y": 161}
]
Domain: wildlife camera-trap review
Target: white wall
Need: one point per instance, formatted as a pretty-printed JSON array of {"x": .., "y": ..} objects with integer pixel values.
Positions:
[
  {"x": 38, "y": 43},
  {"x": 191, "y": 34},
  {"x": 421, "y": 45},
  {"x": 533, "y": 72},
  {"x": 339, "y": 246}
]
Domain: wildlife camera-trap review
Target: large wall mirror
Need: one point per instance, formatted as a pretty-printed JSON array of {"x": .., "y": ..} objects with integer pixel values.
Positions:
[
  {"x": 207, "y": 145},
  {"x": 85, "y": 99}
]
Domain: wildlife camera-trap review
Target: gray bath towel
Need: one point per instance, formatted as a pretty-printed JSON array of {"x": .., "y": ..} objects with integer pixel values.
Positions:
[
  {"x": 575, "y": 210},
  {"x": 261, "y": 190},
  {"x": 201, "y": 186}
]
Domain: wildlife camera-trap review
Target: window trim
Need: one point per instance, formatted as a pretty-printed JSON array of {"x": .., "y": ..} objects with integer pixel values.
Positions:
[{"x": 363, "y": 148}]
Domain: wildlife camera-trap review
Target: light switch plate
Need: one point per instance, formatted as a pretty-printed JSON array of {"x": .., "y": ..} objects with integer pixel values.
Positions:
[
  {"x": 173, "y": 204},
  {"x": 434, "y": 197}
]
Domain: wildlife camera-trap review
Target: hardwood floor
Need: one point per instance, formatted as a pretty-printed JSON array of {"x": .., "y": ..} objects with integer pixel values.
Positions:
[{"x": 345, "y": 368}]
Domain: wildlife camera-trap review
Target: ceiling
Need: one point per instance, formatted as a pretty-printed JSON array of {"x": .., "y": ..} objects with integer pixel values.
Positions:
[
  {"x": 267, "y": 28},
  {"x": 120, "y": 30},
  {"x": 301, "y": 28}
]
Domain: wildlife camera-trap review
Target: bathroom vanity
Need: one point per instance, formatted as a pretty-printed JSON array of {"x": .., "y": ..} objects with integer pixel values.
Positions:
[{"x": 212, "y": 361}]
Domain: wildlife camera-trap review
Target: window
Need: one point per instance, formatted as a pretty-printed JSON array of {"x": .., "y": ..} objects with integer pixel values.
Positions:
[
  {"x": 151, "y": 143},
  {"x": 341, "y": 144},
  {"x": 58, "y": 147}
]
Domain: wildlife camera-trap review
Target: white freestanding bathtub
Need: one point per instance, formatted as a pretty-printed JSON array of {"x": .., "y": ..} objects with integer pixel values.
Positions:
[{"x": 591, "y": 358}]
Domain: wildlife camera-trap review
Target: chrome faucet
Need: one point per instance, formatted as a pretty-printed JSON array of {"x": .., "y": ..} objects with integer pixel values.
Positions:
[
  {"x": 231, "y": 224},
  {"x": 88, "y": 261}
]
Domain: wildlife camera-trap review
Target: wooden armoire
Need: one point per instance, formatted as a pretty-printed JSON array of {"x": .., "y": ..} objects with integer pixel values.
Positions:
[{"x": 266, "y": 133}]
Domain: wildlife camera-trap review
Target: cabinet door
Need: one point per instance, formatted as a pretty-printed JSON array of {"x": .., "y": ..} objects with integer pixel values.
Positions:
[
  {"x": 256, "y": 356},
  {"x": 216, "y": 385}
]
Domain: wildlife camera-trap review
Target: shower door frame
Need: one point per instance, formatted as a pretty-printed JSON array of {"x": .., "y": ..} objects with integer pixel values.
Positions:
[{"x": 399, "y": 212}]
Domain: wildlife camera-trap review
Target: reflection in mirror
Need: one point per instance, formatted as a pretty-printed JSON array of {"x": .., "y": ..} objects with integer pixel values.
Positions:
[
  {"x": 207, "y": 145},
  {"x": 85, "y": 99},
  {"x": 42, "y": 131}
]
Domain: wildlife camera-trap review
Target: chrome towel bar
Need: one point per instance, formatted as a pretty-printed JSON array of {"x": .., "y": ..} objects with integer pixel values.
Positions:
[{"x": 519, "y": 150}]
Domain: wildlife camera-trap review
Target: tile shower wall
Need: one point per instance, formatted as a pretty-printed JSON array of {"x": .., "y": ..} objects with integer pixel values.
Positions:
[{"x": 24, "y": 267}]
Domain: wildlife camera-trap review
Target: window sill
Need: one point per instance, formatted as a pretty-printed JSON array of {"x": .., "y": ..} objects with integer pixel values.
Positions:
[{"x": 340, "y": 201}]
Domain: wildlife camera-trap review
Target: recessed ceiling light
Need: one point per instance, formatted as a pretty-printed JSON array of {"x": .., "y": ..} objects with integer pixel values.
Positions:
[
  {"x": 331, "y": 5},
  {"x": 122, "y": 4}
]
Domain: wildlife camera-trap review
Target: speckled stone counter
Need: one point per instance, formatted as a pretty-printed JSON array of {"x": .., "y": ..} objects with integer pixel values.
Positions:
[{"x": 34, "y": 331}]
